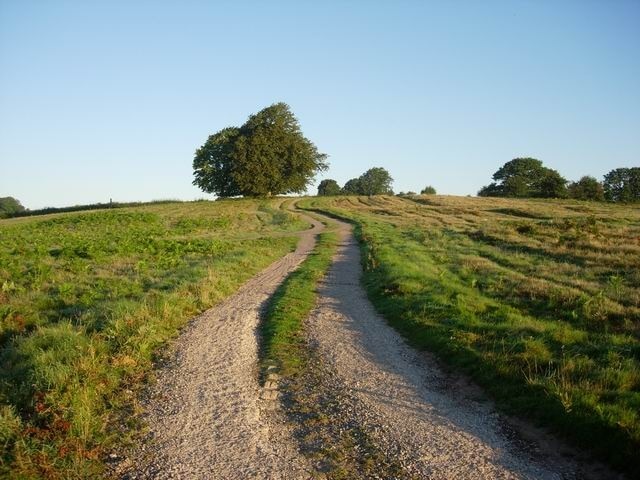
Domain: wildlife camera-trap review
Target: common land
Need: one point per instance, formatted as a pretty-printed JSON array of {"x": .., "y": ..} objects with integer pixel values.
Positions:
[
  {"x": 536, "y": 300},
  {"x": 86, "y": 301}
]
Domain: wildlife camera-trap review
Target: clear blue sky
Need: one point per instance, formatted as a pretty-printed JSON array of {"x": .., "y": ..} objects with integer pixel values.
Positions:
[{"x": 110, "y": 99}]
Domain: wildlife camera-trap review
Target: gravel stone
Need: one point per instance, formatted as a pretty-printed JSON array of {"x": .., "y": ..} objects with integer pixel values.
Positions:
[{"x": 207, "y": 415}]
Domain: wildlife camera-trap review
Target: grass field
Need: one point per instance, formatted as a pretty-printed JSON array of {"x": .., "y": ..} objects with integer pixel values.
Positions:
[
  {"x": 538, "y": 300},
  {"x": 87, "y": 298}
]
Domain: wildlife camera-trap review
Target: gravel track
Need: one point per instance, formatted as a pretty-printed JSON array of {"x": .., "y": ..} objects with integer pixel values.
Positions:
[
  {"x": 435, "y": 426},
  {"x": 205, "y": 413},
  {"x": 208, "y": 419}
]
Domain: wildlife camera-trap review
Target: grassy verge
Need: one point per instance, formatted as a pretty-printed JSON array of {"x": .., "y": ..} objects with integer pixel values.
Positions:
[
  {"x": 283, "y": 340},
  {"x": 538, "y": 301},
  {"x": 338, "y": 447},
  {"x": 86, "y": 300}
]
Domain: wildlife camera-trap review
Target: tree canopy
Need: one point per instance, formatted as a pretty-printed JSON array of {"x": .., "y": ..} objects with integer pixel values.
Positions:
[
  {"x": 10, "y": 206},
  {"x": 587, "y": 188},
  {"x": 352, "y": 187},
  {"x": 376, "y": 181},
  {"x": 428, "y": 190},
  {"x": 329, "y": 187},
  {"x": 622, "y": 185},
  {"x": 268, "y": 155},
  {"x": 525, "y": 177}
]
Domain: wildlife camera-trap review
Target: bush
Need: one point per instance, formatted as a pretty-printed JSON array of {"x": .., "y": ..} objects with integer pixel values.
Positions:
[
  {"x": 587, "y": 188},
  {"x": 9, "y": 206},
  {"x": 622, "y": 185},
  {"x": 329, "y": 187}
]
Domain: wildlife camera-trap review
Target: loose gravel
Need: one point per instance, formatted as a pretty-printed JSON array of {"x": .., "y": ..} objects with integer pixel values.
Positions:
[
  {"x": 207, "y": 415},
  {"x": 367, "y": 406}
]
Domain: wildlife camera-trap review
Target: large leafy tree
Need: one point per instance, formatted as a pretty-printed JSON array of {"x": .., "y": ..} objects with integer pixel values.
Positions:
[
  {"x": 525, "y": 177},
  {"x": 352, "y": 187},
  {"x": 10, "y": 206},
  {"x": 268, "y": 155},
  {"x": 213, "y": 164},
  {"x": 329, "y": 187},
  {"x": 587, "y": 188},
  {"x": 376, "y": 181},
  {"x": 622, "y": 185}
]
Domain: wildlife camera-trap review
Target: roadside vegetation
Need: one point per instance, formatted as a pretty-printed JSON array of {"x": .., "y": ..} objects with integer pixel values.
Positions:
[
  {"x": 87, "y": 298},
  {"x": 539, "y": 300},
  {"x": 335, "y": 444},
  {"x": 283, "y": 342}
]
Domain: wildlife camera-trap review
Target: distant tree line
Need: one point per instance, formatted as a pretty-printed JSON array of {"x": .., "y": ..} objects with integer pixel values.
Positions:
[
  {"x": 529, "y": 178},
  {"x": 428, "y": 190},
  {"x": 375, "y": 181},
  {"x": 25, "y": 212}
]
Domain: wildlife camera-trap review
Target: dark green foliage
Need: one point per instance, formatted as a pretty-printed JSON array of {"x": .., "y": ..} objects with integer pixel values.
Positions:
[
  {"x": 551, "y": 185},
  {"x": 213, "y": 164},
  {"x": 622, "y": 185},
  {"x": 352, "y": 187},
  {"x": 525, "y": 177},
  {"x": 375, "y": 181},
  {"x": 267, "y": 156},
  {"x": 587, "y": 188},
  {"x": 9, "y": 206},
  {"x": 329, "y": 187},
  {"x": 428, "y": 190}
]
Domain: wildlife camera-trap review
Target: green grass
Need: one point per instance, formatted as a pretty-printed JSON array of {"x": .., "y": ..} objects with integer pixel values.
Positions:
[
  {"x": 325, "y": 432},
  {"x": 538, "y": 300},
  {"x": 283, "y": 342},
  {"x": 86, "y": 299}
]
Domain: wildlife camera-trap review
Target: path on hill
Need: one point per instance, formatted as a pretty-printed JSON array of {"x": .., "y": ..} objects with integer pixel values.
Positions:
[
  {"x": 205, "y": 412},
  {"x": 207, "y": 418},
  {"x": 435, "y": 425}
]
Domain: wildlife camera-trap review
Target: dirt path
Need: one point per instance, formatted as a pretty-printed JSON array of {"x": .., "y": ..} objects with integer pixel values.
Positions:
[
  {"x": 436, "y": 429},
  {"x": 207, "y": 418},
  {"x": 205, "y": 412}
]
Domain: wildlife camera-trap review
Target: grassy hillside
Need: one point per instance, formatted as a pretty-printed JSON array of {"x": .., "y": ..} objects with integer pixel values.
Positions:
[
  {"x": 538, "y": 300},
  {"x": 85, "y": 300}
]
